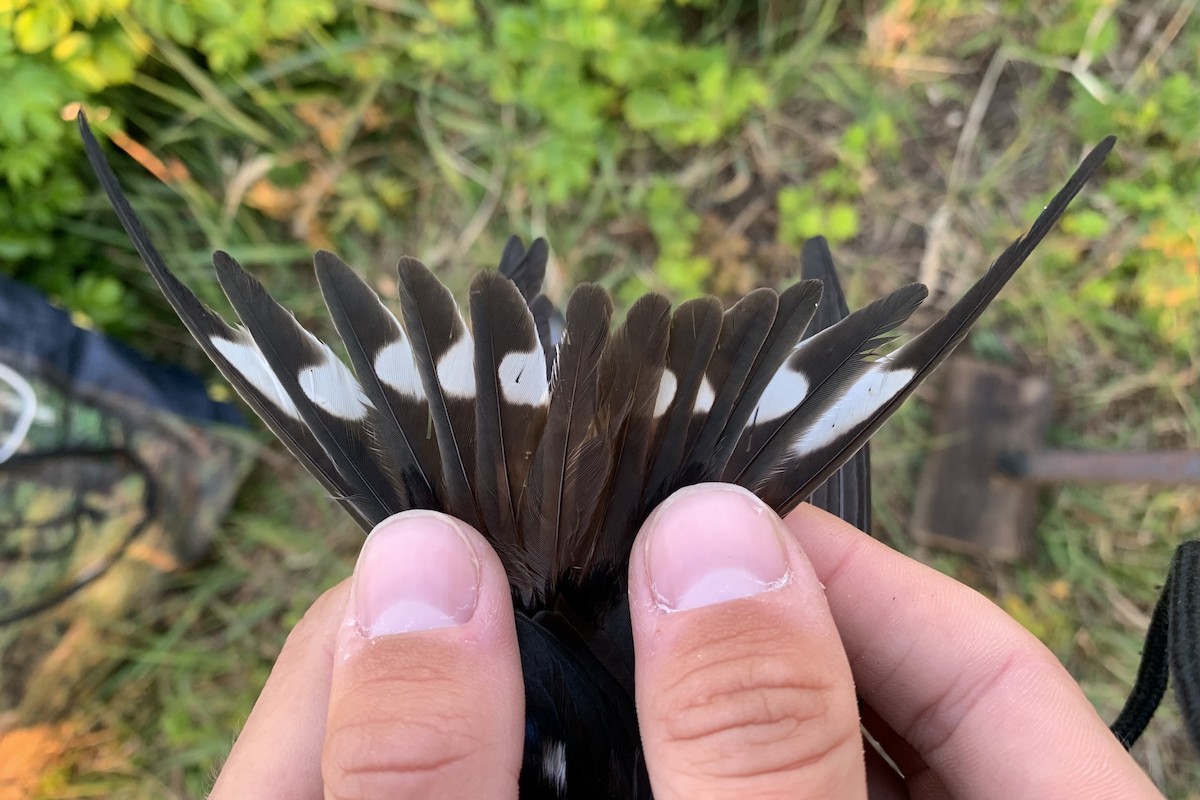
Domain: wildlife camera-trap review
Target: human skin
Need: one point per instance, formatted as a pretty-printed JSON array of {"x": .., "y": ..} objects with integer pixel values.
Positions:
[{"x": 754, "y": 637}]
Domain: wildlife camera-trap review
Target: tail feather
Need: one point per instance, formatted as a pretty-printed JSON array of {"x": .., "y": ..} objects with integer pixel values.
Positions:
[
  {"x": 744, "y": 331},
  {"x": 444, "y": 354},
  {"x": 630, "y": 375},
  {"x": 322, "y": 389},
  {"x": 512, "y": 401},
  {"x": 232, "y": 350},
  {"x": 797, "y": 305},
  {"x": 847, "y": 493},
  {"x": 383, "y": 360},
  {"x": 839, "y": 431},
  {"x": 525, "y": 268},
  {"x": 811, "y": 378},
  {"x": 550, "y": 323},
  {"x": 684, "y": 390},
  {"x": 744, "y": 396},
  {"x": 569, "y": 425}
]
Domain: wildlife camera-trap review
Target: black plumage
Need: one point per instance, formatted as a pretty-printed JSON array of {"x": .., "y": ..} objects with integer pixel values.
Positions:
[
  {"x": 513, "y": 394},
  {"x": 444, "y": 352},
  {"x": 684, "y": 392},
  {"x": 322, "y": 390},
  {"x": 796, "y": 308},
  {"x": 525, "y": 268},
  {"x": 744, "y": 330},
  {"x": 847, "y": 493},
  {"x": 572, "y": 456},
  {"x": 813, "y": 379},
  {"x": 556, "y": 436},
  {"x": 386, "y": 368},
  {"x": 1172, "y": 649},
  {"x": 630, "y": 376}
]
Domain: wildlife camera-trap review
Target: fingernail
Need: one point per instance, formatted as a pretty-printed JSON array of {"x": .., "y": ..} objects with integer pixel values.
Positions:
[
  {"x": 713, "y": 544},
  {"x": 416, "y": 572}
]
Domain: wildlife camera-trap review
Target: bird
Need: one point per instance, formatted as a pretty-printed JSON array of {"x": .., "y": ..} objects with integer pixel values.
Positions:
[{"x": 556, "y": 433}]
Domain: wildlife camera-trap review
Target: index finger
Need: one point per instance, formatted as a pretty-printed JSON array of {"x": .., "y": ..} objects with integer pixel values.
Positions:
[
  {"x": 986, "y": 705},
  {"x": 278, "y": 753}
]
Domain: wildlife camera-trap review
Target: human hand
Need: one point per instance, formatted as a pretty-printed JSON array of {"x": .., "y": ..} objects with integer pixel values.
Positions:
[
  {"x": 746, "y": 673},
  {"x": 755, "y": 697}
]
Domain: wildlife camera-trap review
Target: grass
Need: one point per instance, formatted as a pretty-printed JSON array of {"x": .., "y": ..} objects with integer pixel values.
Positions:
[{"x": 938, "y": 129}]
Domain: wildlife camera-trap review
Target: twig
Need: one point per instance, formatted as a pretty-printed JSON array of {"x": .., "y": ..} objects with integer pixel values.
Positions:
[
  {"x": 243, "y": 179},
  {"x": 939, "y": 223},
  {"x": 492, "y": 183},
  {"x": 974, "y": 121},
  {"x": 1081, "y": 66},
  {"x": 1083, "y": 59},
  {"x": 1162, "y": 43},
  {"x": 753, "y": 210}
]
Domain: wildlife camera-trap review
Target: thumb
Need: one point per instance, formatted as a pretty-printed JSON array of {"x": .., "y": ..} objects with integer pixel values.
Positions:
[
  {"x": 426, "y": 697},
  {"x": 743, "y": 688}
]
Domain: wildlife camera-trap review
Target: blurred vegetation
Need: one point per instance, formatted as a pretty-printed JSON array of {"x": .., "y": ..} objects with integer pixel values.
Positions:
[{"x": 659, "y": 144}]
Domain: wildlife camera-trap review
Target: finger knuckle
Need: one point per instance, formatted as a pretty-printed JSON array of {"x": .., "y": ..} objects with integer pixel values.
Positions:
[
  {"x": 749, "y": 708},
  {"x": 1011, "y": 671},
  {"x": 364, "y": 757},
  {"x": 312, "y": 629},
  {"x": 314, "y": 633}
]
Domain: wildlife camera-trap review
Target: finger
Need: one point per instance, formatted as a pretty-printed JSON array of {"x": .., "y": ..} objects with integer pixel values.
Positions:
[
  {"x": 984, "y": 703},
  {"x": 426, "y": 698},
  {"x": 742, "y": 684},
  {"x": 278, "y": 753}
]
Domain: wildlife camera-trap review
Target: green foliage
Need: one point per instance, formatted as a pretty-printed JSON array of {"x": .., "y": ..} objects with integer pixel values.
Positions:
[
  {"x": 53, "y": 55},
  {"x": 680, "y": 269},
  {"x": 1071, "y": 25},
  {"x": 586, "y": 75},
  {"x": 1158, "y": 273},
  {"x": 803, "y": 215},
  {"x": 827, "y": 205},
  {"x": 587, "y": 83},
  {"x": 229, "y": 33}
]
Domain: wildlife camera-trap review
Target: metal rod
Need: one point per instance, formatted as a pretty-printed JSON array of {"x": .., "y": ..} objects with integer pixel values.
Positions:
[{"x": 1068, "y": 466}]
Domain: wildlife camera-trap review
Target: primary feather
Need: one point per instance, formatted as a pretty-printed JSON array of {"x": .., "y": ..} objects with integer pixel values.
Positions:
[
  {"x": 684, "y": 393},
  {"x": 847, "y": 493},
  {"x": 386, "y": 367},
  {"x": 512, "y": 399},
  {"x": 556, "y": 438},
  {"x": 322, "y": 390},
  {"x": 444, "y": 352},
  {"x": 562, "y": 481}
]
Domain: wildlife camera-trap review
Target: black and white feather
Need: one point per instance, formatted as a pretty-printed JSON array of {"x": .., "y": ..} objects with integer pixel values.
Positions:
[{"x": 556, "y": 436}]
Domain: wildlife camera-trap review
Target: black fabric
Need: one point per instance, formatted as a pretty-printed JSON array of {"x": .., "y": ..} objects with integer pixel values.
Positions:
[{"x": 35, "y": 335}]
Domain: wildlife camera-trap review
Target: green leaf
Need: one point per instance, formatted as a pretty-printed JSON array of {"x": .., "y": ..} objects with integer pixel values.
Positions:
[
  {"x": 39, "y": 26},
  {"x": 1086, "y": 223},
  {"x": 842, "y": 222}
]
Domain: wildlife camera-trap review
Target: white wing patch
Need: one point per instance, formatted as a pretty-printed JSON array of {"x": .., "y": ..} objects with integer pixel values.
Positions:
[
  {"x": 397, "y": 367},
  {"x": 874, "y": 389},
  {"x": 704, "y": 397},
  {"x": 523, "y": 378},
  {"x": 667, "y": 385},
  {"x": 554, "y": 766},
  {"x": 248, "y": 360},
  {"x": 785, "y": 391},
  {"x": 456, "y": 369},
  {"x": 331, "y": 387}
]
